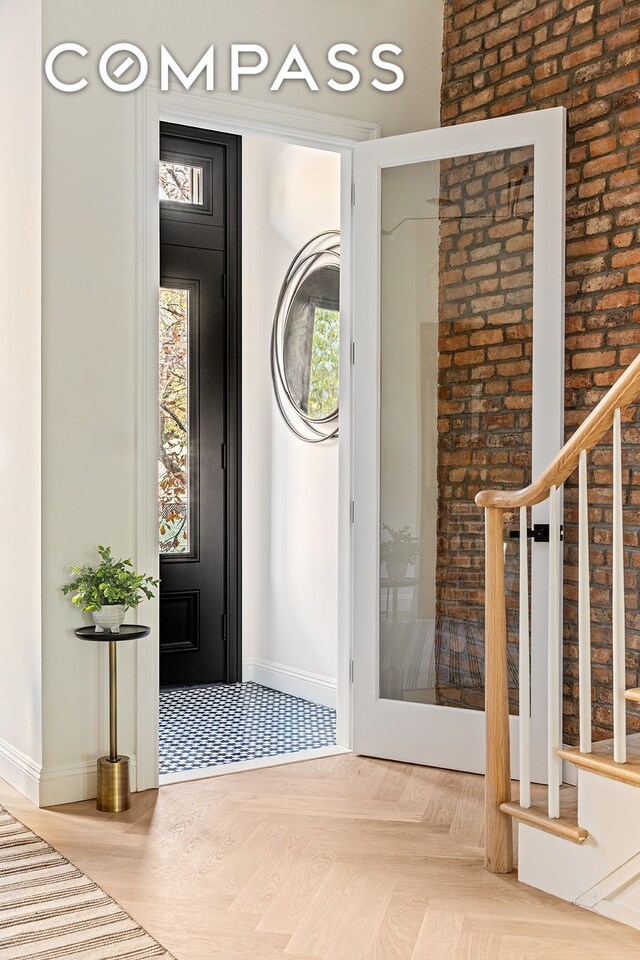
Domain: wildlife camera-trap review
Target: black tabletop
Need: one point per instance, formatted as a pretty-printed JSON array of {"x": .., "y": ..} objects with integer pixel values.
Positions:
[{"x": 128, "y": 631}]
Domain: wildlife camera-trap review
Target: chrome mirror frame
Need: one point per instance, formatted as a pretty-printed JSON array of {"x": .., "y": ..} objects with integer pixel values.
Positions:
[{"x": 321, "y": 251}]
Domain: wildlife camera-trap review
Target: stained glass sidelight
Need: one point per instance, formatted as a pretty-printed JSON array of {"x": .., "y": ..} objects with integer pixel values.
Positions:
[{"x": 173, "y": 458}]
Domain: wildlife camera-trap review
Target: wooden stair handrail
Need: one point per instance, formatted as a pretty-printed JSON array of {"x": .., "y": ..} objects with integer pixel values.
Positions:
[
  {"x": 623, "y": 393},
  {"x": 498, "y": 806}
]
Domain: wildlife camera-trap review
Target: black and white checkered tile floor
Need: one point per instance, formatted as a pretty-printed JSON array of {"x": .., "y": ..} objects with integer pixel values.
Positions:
[{"x": 204, "y": 726}]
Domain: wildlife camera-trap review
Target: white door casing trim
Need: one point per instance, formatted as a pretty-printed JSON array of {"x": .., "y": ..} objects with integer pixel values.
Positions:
[{"x": 238, "y": 115}]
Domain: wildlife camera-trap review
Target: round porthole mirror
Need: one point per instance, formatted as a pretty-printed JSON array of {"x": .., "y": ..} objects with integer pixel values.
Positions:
[{"x": 305, "y": 342}]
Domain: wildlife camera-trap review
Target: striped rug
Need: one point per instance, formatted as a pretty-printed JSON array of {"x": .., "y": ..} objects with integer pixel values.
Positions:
[{"x": 49, "y": 909}]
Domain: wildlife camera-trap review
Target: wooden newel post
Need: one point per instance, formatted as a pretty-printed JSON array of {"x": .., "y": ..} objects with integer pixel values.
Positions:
[{"x": 498, "y": 830}]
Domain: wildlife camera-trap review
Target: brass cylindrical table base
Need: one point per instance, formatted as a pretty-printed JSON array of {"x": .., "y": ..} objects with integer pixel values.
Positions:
[{"x": 114, "y": 793}]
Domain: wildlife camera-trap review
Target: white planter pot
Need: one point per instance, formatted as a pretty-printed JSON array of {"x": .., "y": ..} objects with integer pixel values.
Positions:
[{"x": 109, "y": 618}]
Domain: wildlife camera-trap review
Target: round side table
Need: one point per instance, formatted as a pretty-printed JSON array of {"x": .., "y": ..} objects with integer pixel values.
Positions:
[{"x": 114, "y": 792}]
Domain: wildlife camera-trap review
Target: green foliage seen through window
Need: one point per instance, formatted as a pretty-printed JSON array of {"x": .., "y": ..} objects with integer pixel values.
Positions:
[{"x": 325, "y": 351}]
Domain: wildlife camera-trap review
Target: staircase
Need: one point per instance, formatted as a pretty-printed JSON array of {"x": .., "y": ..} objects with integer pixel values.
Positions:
[{"x": 579, "y": 843}]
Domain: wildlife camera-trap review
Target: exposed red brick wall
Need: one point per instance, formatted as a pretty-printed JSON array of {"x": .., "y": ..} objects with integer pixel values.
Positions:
[
  {"x": 484, "y": 395},
  {"x": 506, "y": 57}
]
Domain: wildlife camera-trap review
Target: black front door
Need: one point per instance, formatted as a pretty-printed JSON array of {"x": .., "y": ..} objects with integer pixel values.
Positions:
[{"x": 199, "y": 407}]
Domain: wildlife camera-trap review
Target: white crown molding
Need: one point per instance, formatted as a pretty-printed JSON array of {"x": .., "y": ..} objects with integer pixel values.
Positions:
[{"x": 237, "y": 114}]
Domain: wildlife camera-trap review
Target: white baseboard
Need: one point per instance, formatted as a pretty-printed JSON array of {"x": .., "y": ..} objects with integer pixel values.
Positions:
[
  {"x": 70, "y": 782},
  {"x": 49, "y": 786},
  {"x": 20, "y": 771},
  {"x": 615, "y": 911},
  {"x": 299, "y": 683}
]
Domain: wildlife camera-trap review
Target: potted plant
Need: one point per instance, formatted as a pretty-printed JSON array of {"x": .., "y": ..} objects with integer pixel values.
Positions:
[
  {"x": 109, "y": 589},
  {"x": 398, "y": 551}
]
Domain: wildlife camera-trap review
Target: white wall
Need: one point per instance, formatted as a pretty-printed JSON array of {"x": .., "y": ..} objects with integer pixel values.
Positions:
[
  {"x": 20, "y": 176},
  {"x": 89, "y": 294},
  {"x": 290, "y": 488}
]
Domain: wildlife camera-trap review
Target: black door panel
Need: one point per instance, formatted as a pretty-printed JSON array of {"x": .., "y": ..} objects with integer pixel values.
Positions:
[{"x": 199, "y": 593}]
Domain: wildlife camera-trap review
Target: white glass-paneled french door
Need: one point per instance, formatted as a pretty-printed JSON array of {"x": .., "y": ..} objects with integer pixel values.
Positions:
[{"x": 457, "y": 387}]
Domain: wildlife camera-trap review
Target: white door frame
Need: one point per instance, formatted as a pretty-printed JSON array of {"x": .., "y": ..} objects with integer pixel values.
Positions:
[
  {"x": 396, "y": 729},
  {"x": 238, "y": 115}
]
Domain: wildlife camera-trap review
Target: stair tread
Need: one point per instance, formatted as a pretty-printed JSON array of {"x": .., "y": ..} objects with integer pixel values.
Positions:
[
  {"x": 601, "y": 761},
  {"x": 565, "y": 826}
]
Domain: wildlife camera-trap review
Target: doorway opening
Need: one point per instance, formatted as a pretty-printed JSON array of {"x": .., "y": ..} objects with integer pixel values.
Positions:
[{"x": 248, "y": 513}]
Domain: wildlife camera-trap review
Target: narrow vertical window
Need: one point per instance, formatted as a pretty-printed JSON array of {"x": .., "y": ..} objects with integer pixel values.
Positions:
[{"x": 173, "y": 466}]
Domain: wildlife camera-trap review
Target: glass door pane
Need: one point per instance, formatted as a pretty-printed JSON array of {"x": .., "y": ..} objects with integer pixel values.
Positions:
[
  {"x": 456, "y": 292},
  {"x": 174, "y": 501}
]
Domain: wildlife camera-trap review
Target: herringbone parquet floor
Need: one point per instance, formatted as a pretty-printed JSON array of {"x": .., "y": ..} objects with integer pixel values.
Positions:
[{"x": 343, "y": 858}]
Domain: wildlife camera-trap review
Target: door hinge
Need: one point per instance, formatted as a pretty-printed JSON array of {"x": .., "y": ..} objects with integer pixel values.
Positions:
[
  {"x": 224, "y": 286},
  {"x": 353, "y": 194},
  {"x": 353, "y": 511},
  {"x": 353, "y": 353},
  {"x": 224, "y": 626},
  {"x": 351, "y": 671},
  {"x": 223, "y": 457}
]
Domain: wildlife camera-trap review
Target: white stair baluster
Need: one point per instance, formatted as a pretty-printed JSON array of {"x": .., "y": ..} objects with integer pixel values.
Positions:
[
  {"x": 523, "y": 667},
  {"x": 617, "y": 620},
  {"x": 554, "y": 709},
  {"x": 584, "y": 609}
]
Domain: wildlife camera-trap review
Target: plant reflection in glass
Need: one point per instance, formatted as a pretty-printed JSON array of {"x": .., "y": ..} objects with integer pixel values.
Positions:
[{"x": 399, "y": 550}]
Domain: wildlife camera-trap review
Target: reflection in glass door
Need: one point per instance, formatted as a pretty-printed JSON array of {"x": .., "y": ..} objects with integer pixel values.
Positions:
[
  {"x": 458, "y": 329},
  {"x": 455, "y": 408}
]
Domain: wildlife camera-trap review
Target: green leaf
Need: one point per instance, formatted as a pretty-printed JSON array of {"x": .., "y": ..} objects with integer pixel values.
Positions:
[{"x": 112, "y": 581}]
